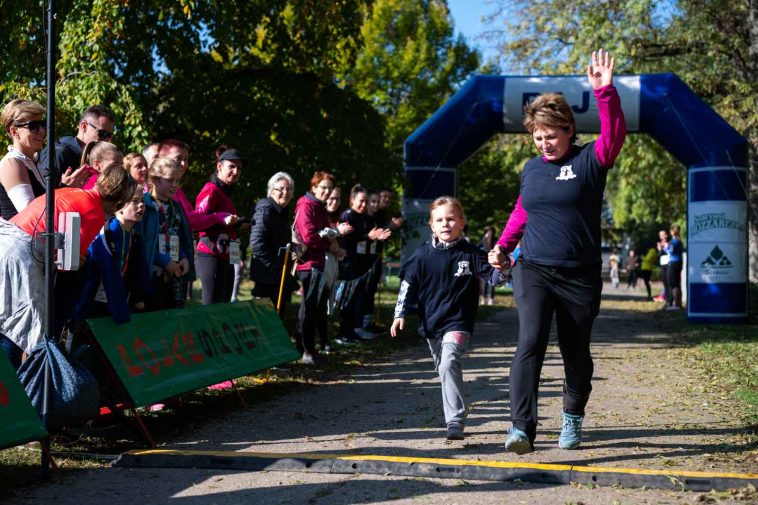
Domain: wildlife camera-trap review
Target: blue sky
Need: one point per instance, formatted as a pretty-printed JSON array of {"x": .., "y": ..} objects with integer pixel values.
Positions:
[{"x": 467, "y": 15}]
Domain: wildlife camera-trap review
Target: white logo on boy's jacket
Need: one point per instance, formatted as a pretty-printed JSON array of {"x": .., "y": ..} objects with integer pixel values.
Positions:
[
  {"x": 566, "y": 174},
  {"x": 463, "y": 269}
]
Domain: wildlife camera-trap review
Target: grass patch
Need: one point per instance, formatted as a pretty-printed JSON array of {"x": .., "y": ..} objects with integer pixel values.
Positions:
[{"x": 726, "y": 357}]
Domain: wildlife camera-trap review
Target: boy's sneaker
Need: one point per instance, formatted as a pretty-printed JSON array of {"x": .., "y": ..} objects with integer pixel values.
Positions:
[
  {"x": 364, "y": 334},
  {"x": 518, "y": 442},
  {"x": 571, "y": 433},
  {"x": 454, "y": 431}
]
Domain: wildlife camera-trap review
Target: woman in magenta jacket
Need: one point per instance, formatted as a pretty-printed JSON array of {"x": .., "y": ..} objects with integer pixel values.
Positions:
[
  {"x": 312, "y": 226},
  {"x": 218, "y": 248}
]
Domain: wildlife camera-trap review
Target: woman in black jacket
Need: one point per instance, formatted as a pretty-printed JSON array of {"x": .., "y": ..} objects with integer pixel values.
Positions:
[{"x": 269, "y": 236}]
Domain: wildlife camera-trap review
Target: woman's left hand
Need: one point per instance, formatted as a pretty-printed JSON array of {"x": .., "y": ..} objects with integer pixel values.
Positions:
[{"x": 600, "y": 72}]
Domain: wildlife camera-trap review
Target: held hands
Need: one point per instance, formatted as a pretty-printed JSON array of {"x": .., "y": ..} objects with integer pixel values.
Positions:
[
  {"x": 497, "y": 258},
  {"x": 231, "y": 219},
  {"x": 172, "y": 269},
  {"x": 183, "y": 267},
  {"x": 600, "y": 71},
  {"x": 397, "y": 325}
]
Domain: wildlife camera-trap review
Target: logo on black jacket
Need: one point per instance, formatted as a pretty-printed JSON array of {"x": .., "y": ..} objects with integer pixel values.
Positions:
[{"x": 463, "y": 269}]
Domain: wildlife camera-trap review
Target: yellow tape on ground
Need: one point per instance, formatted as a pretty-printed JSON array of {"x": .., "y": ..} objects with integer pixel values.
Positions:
[{"x": 448, "y": 461}]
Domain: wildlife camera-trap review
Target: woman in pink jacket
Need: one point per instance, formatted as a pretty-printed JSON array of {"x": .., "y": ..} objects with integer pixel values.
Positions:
[
  {"x": 218, "y": 249},
  {"x": 312, "y": 227}
]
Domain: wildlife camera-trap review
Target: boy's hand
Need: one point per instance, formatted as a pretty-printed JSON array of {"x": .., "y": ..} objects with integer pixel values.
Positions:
[{"x": 397, "y": 325}]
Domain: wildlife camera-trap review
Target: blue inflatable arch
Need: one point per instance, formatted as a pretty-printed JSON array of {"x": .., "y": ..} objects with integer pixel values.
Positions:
[{"x": 660, "y": 105}]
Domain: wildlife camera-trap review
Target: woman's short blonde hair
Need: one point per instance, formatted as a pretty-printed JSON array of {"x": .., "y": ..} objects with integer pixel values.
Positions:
[
  {"x": 447, "y": 200},
  {"x": 20, "y": 111},
  {"x": 549, "y": 111},
  {"x": 162, "y": 167}
]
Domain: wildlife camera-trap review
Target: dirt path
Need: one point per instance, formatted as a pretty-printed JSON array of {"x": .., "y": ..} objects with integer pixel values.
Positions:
[{"x": 648, "y": 410}]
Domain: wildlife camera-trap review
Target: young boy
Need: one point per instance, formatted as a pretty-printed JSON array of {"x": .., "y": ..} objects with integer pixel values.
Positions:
[{"x": 443, "y": 277}]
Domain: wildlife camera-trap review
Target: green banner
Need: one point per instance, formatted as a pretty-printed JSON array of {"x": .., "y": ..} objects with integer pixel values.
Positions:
[
  {"x": 19, "y": 422},
  {"x": 162, "y": 354}
]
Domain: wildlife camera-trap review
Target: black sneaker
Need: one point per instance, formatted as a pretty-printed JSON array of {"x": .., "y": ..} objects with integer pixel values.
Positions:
[{"x": 454, "y": 431}]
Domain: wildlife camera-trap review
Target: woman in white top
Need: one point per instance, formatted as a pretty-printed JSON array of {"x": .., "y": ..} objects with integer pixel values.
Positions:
[{"x": 20, "y": 179}]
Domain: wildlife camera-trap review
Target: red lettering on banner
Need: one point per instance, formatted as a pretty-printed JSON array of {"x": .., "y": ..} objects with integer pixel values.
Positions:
[
  {"x": 155, "y": 369},
  {"x": 176, "y": 350},
  {"x": 3, "y": 394},
  {"x": 167, "y": 360},
  {"x": 132, "y": 369},
  {"x": 189, "y": 346}
]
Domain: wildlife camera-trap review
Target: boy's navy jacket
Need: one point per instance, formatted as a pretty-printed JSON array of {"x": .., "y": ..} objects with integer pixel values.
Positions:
[
  {"x": 108, "y": 253},
  {"x": 446, "y": 284}
]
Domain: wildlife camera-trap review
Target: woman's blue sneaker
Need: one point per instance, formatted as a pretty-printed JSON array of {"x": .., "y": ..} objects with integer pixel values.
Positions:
[
  {"x": 571, "y": 433},
  {"x": 518, "y": 442}
]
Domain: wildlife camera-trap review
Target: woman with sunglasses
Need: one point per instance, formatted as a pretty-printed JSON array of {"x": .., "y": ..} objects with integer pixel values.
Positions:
[{"x": 20, "y": 178}]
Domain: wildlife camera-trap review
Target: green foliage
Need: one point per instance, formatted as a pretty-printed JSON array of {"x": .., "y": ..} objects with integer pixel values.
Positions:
[
  {"x": 489, "y": 182},
  {"x": 409, "y": 65}
]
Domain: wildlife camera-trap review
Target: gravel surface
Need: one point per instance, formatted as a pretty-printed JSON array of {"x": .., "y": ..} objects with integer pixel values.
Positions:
[{"x": 647, "y": 411}]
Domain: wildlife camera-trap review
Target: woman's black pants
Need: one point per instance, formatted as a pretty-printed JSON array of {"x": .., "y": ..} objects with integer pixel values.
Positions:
[{"x": 572, "y": 295}]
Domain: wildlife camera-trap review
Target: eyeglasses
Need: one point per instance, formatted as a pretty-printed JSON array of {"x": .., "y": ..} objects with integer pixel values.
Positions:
[
  {"x": 32, "y": 126},
  {"x": 324, "y": 188},
  {"x": 285, "y": 189},
  {"x": 102, "y": 133}
]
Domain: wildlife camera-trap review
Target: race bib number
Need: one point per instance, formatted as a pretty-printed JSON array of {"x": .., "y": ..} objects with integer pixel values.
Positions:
[
  {"x": 372, "y": 249},
  {"x": 664, "y": 260},
  {"x": 361, "y": 247},
  {"x": 171, "y": 247},
  {"x": 234, "y": 252}
]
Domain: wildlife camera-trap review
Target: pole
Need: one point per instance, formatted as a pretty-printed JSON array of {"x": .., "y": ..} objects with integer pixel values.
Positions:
[
  {"x": 284, "y": 277},
  {"x": 49, "y": 221}
]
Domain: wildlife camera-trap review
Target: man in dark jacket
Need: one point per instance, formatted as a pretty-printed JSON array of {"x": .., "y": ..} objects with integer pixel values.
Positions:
[
  {"x": 269, "y": 236},
  {"x": 96, "y": 123}
]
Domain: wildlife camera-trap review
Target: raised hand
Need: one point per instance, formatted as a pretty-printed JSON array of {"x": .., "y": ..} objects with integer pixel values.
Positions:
[{"x": 600, "y": 71}]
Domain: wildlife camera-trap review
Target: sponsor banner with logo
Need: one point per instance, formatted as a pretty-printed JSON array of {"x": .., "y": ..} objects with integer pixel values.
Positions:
[
  {"x": 710, "y": 222},
  {"x": 578, "y": 93},
  {"x": 162, "y": 354},
  {"x": 716, "y": 262},
  {"x": 19, "y": 422}
]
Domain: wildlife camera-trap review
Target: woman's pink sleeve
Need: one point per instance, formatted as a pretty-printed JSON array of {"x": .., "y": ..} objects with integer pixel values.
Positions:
[
  {"x": 612, "y": 125},
  {"x": 197, "y": 220},
  {"x": 514, "y": 229}
]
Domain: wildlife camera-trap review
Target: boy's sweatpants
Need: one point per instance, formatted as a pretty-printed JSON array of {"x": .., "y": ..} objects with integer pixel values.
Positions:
[{"x": 447, "y": 353}]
